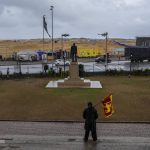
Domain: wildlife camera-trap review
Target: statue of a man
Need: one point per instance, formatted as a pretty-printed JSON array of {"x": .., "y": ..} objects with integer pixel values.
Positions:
[{"x": 74, "y": 52}]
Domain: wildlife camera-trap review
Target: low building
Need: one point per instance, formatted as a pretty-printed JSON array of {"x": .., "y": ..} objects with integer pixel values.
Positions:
[
  {"x": 143, "y": 41},
  {"x": 118, "y": 52}
]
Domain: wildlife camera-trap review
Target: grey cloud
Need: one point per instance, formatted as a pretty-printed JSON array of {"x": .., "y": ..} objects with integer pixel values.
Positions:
[
  {"x": 1, "y": 9},
  {"x": 84, "y": 18}
]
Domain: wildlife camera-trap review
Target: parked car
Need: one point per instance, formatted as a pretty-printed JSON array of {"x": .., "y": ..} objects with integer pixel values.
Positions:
[
  {"x": 27, "y": 56},
  {"x": 102, "y": 59},
  {"x": 59, "y": 62}
]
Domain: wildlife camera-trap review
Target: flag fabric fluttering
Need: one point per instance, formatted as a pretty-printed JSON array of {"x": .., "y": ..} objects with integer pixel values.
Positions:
[
  {"x": 45, "y": 26},
  {"x": 108, "y": 106}
]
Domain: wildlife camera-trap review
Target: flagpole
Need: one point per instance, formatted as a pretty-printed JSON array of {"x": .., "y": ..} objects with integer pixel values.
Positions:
[
  {"x": 52, "y": 7},
  {"x": 101, "y": 101},
  {"x": 97, "y": 103},
  {"x": 43, "y": 32},
  {"x": 43, "y": 43}
]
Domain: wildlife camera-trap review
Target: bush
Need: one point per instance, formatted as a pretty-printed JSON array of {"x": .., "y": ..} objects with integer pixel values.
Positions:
[
  {"x": 65, "y": 74},
  {"x": 51, "y": 72},
  {"x": 81, "y": 70}
]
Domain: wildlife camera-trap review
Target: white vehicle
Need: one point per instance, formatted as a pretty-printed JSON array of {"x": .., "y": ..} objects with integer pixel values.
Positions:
[
  {"x": 60, "y": 62},
  {"x": 27, "y": 56}
]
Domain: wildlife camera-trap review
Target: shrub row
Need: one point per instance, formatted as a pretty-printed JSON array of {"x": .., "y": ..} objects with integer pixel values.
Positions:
[{"x": 51, "y": 73}]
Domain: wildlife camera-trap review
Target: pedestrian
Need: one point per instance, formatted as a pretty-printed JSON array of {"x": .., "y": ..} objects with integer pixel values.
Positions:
[
  {"x": 46, "y": 67},
  {"x": 1, "y": 75},
  {"x": 90, "y": 115},
  {"x": 74, "y": 52},
  {"x": 60, "y": 71},
  {"x": 7, "y": 72}
]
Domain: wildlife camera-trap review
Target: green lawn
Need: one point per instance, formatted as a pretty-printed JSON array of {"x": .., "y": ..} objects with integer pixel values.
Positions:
[{"x": 28, "y": 99}]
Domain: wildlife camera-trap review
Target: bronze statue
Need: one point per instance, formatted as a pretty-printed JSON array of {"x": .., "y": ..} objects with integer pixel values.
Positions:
[{"x": 74, "y": 52}]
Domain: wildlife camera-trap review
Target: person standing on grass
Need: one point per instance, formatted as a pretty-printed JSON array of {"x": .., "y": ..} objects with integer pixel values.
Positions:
[{"x": 90, "y": 115}]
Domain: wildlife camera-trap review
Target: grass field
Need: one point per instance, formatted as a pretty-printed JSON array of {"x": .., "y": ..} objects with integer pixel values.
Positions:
[
  {"x": 8, "y": 47},
  {"x": 28, "y": 100}
]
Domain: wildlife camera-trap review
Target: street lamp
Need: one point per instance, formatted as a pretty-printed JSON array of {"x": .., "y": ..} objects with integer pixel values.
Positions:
[
  {"x": 63, "y": 35},
  {"x": 19, "y": 65},
  {"x": 130, "y": 64},
  {"x": 105, "y": 35},
  {"x": 64, "y": 54}
]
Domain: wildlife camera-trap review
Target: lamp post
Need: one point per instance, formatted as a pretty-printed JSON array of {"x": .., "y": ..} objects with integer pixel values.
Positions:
[
  {"x": 19, "y": 65},
  {"x": 130, "y": 64},
  {"x": 63, "y": 35},
  {"x": 64, "y": 54},
  {"x": 106, "y": 36}
]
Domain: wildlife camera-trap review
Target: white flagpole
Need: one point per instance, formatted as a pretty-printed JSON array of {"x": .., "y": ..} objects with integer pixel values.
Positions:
[{"x": 43, "y": 31}]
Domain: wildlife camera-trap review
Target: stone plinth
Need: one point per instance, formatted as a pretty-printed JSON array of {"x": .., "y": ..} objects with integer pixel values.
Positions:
[{"x": 74, "y": 80}]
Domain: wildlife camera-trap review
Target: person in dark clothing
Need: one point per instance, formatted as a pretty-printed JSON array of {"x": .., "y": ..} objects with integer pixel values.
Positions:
[
  {"x": 7, "y": 72},
  {"x": 90, "y": 115},
  {"x": 74, "y": 52}
]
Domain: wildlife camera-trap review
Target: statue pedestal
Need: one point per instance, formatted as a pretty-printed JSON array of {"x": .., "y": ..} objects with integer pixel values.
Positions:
[{"x": 74, "y": 81}]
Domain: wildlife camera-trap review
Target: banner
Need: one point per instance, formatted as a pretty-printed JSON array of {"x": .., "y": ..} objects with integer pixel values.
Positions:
[
  {"x": 45, "y": 26},
  {"x": 108, "y": 106}
]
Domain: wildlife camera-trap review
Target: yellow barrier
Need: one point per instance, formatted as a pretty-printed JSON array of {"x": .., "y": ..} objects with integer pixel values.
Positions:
[{"x": 84, "y": 52}]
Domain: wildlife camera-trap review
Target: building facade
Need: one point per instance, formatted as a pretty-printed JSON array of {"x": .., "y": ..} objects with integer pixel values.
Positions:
[{"x": 143, "y": 41}]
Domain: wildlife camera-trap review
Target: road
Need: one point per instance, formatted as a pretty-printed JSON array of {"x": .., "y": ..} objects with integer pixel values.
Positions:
[{"x": 63, "y": 136}]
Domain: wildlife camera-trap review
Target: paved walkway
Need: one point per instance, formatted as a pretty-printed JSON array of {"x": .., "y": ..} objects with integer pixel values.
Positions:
[{"x": 69, "y": 136}]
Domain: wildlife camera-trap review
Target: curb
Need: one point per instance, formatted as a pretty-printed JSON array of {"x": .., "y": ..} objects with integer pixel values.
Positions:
[{"x": 77, "y": 121}]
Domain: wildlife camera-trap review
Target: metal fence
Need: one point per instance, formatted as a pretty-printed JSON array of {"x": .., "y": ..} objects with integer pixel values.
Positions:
[{"x": 88, "y": 67}]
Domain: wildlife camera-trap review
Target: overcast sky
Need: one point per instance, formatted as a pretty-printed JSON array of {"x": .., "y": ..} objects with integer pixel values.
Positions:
[{"x": 80, "y": 18}]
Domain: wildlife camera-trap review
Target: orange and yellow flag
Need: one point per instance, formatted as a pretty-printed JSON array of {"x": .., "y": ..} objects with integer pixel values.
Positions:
[{"x": 108, "y": 106}]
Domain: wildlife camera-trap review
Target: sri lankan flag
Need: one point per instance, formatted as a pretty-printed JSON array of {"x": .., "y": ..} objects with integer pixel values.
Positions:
[{"x": 108, "y": 106}]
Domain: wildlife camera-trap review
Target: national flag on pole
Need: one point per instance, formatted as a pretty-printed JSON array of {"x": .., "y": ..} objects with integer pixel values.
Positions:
[
  {"x": 45, "y": 26},
  {"x": 108, "y": 106}
]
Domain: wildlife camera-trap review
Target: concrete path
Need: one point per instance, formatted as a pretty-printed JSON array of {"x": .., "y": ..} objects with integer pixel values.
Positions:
[{"x": 69, "y": 136}]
